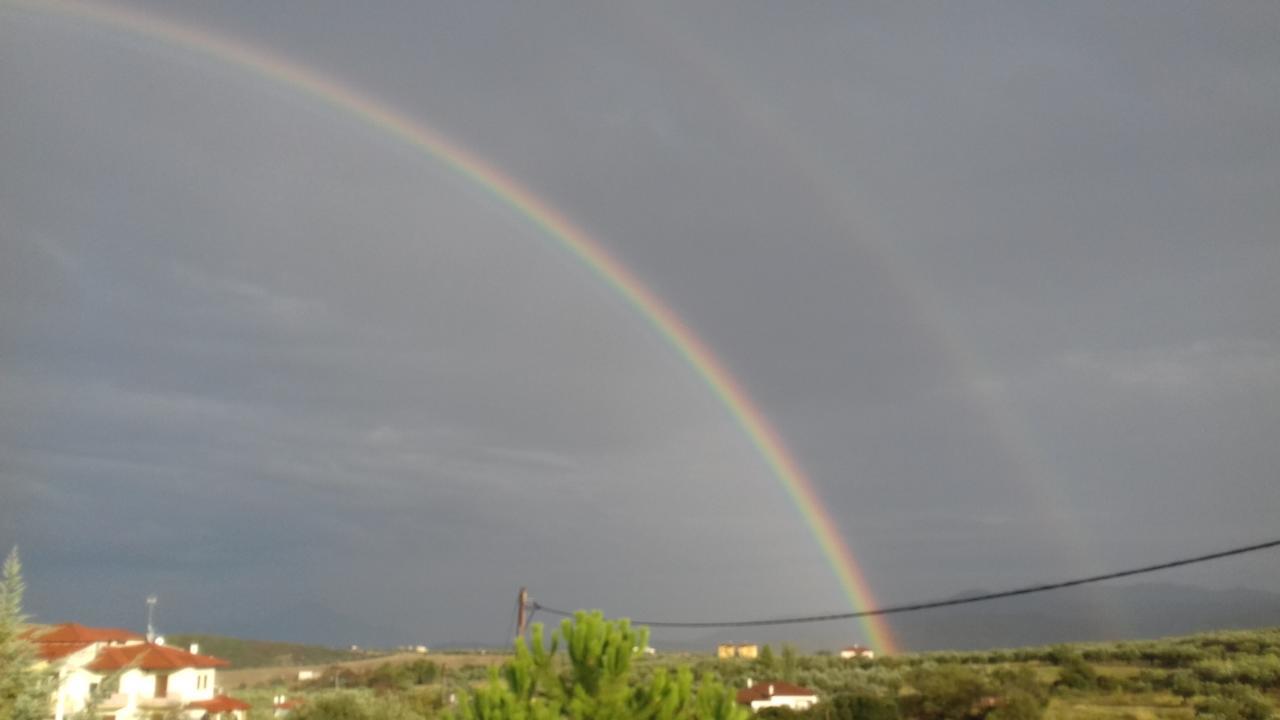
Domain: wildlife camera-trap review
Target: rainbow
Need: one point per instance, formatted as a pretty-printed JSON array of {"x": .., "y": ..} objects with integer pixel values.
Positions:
[{"x": 554, "y": 225}]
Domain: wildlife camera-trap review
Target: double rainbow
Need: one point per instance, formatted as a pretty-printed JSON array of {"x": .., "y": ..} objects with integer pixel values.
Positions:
[{"x": 557, "y": 227}]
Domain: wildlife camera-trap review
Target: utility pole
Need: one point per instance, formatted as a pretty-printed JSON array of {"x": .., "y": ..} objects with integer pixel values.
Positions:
[{"x": 522, "y": 605}]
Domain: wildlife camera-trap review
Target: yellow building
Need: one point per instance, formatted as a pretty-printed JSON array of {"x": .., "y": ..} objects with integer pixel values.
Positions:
[{"x": 729, "y": 650}]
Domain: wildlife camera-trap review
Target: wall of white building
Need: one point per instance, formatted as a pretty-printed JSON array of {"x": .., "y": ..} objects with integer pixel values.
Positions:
[
  {"x": 191, "y": 684},
  {"x": 136, "y": 683},
  {"x": 187, "y": 684},
  {"x": 73, "y": 691},
  {"x": 795, "y": 702}
]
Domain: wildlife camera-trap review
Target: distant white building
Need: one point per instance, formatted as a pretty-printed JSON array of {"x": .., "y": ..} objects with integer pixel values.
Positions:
[
  {"x": 133, "y": 679},
  {"x": 857, "y": 651},
  {"x": 775, "y": 693}
]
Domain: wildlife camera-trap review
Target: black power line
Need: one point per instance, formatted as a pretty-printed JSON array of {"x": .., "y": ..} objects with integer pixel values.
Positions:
[{"x": 913, "y": 607}]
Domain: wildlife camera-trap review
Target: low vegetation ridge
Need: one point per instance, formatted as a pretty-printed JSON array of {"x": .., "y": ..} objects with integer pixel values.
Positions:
[
  {"x": 1228, "y": 675},
  {"x": 243, "y": 653}
]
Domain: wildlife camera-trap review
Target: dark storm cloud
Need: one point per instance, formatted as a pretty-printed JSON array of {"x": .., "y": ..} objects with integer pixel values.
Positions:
[{"x": 1001, "y": 275}]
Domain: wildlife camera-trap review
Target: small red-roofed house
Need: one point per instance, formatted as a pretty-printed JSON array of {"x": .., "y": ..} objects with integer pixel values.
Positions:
[
  {"x": 282, "y": 705},
  {"x": 221, "y": 706},
  {"x": 775, "y": 693},
  {"x": 132, "y": 679}
]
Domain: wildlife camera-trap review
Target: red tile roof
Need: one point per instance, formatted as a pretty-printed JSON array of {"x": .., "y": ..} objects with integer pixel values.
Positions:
[
  {"x": 761, "y": 691},
  {"x": 54, "y": 642},
  {"x": 57, "y": 651},
  {"x": 77, "y": 633},
  {"x": 220, "y": 704},
  {"x": 150, "y": 656}
]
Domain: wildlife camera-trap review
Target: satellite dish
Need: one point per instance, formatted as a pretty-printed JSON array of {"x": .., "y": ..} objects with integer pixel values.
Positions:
[{"x": 160, "y": 640}]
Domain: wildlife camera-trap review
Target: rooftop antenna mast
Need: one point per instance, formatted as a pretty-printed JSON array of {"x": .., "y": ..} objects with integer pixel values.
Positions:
[{"x": 151, "y": 627}]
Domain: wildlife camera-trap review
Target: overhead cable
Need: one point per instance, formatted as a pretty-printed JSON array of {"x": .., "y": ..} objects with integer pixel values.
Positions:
[{"x": 966, "y": 600}]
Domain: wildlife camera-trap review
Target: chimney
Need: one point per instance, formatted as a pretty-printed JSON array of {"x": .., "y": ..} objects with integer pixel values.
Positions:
[
  {"x": 750, "y": 682},
  {"x": 195, "y": 648},
  {"x": 770, "y": 690}
]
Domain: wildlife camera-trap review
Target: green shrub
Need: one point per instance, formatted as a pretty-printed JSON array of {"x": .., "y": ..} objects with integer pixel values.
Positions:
[
  {"x": 947, "y": 692},
  {"x": 1235, "y": 702},
  {"x": 856, "y": 706},
  {"x": 1182, "y": 683},
  {"x": 1018, "y": 705},
  {"x": 1076, "y": 673}
]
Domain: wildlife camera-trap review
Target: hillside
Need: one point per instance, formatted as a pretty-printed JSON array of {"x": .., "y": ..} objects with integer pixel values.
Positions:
[
  {"x": 1225, "y": 675},
  {"x": 263, "y": 653},
  {"x": 1099, "y": 613}
]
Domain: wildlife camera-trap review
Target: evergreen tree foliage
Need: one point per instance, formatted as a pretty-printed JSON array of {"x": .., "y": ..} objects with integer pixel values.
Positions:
[
  {"x": 959, "y": 692},
  {"x": 947, "y": 692},
  {"x": 765, "y": 662},
  {"x": 24, "y": 690},
  {"x": 789, "y": 663},
  {"x": 596, "y": 683},
  {"x": 855, "y": 706}
]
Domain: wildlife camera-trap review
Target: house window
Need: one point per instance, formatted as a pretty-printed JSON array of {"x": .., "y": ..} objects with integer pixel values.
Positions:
[
  {"x": 162, "y": 686},
  {"x": 202, "y": 681}
]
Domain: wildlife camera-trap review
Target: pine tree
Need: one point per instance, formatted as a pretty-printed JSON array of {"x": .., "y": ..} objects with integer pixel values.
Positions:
[
  {"x": 24, "y": 690},
  {"x": 596, "y": 684}
]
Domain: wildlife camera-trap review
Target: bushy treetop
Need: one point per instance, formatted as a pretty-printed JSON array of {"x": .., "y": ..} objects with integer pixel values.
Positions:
[{"x": 596, "y": 683}]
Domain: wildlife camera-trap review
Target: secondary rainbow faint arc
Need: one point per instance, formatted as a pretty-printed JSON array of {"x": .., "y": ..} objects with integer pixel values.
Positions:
[{"x": 554, "y": 225}]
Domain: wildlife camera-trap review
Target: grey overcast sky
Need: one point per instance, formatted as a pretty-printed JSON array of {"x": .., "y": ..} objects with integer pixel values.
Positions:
[{"x": 1003, "y": 276}]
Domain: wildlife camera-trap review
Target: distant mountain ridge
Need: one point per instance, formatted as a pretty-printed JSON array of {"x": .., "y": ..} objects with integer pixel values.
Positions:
[
  {"x": 308, "y": 632},
  {"x": 1080, "y": 614}
]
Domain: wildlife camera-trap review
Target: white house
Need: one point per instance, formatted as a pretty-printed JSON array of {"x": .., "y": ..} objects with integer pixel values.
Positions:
[
  {"x": 776, "y": 693},
  {"x": 857, "y": 651},
  {"x": 132, "y": 678}
]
